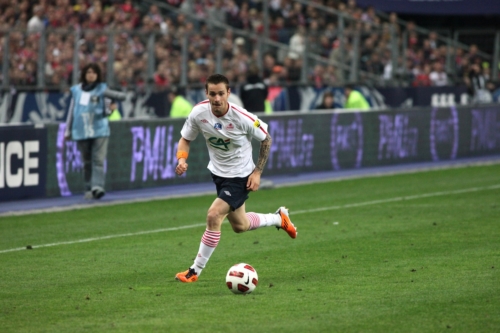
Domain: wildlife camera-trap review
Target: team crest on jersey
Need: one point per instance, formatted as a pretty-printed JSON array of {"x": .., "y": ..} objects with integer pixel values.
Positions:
[
  {"x": 218, "y": 126},
  {"x": 257, "y": 123},
  {"x": 230, "y": 126}
]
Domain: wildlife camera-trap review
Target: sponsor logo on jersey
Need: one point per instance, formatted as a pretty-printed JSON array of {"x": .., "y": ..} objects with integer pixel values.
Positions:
[
  {"x": 219, "y": 143},
  {"x": 204, "y": 121},
  {"x": 218, "y": 126},
  {"x": 257, "y": 123}
]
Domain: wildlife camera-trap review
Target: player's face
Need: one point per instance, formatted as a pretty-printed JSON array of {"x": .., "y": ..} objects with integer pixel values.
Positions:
[{"x": 218, "y": 94}]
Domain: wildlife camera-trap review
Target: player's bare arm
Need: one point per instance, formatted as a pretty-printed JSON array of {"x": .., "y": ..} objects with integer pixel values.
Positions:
[
  {"x": 182, "y": 155},
  {"x": 254, "y": 179}
]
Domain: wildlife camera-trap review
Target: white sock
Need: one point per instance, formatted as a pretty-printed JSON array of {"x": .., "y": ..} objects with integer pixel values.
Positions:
[
  {"x": 263, "y": 220},
  {"x": 208, "y": 244}
]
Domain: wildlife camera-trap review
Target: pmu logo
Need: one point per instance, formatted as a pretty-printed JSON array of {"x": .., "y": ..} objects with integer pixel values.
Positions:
[
  {"x": 485, "y": 130},
  {"x": 397, "y": 139},
  {"x": 68, "y": 160},
  {"x": 444, "y": 133},
  {"x": 219, "y": 143},
  {"x": 346, "y": 140}
]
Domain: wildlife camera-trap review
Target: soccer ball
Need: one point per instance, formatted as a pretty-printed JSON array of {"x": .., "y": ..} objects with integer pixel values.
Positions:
[{"x": 242, "y": 279}]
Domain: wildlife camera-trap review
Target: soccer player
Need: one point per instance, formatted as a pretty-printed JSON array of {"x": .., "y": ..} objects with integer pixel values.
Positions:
[{"x": 228, "y": 131}]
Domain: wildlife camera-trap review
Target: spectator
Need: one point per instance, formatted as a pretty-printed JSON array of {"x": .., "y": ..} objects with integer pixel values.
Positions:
[
  {"x": 486, "y": 70},
  {"x": 477, "y": 85},
  {"x": 216, "y": 13},
  {"x": 22, "y": 21},
  {"x": 324, "y": 46},
  {"x": 427, "y": 50},
  {"x": 351, "y": 7},
  {"x": 463, "y": 69},
  {"x": 293, "y": 68},
  {"x": 422, "y": 78},
  {"x": 369, "y": 15},
  {"x": 161, "y": 76},
  {"x": 473, "y": 55},
  {"x": 494, "y": 91},
  {"x": 433, "y": 40},
  {"x": 280, "y": 31},
  {"x": 256, "y": 21},
  {"x": 269, "y": 63},
  {"x": 154, "y": 14},
  {"x": 239, "y": 46},
  {"x": 330, "y": 76},
  {"x": 438, "y": 76},
  {"x": 354, "y": 99},
  {"x": 327, "y": 102},
  {"x": 339, "y": 57},
  {"x": 36, "y": 22},
  {"x": 296, "y": 16},
  {"x": 254, "y": 92},
  {"x": 180, "y": 107},
  {"x": 298, "y": 43},
  {"x": 413, "y": 40},
  {"x": 317, "y": 76},
  {"x": 232, "y": 14},
  {"x": 374, "y": 65},
  {"x": 393, "y": 22},
  {"x": 285, "y": 17}
]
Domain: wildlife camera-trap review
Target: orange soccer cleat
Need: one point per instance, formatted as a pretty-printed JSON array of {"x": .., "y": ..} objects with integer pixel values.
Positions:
[
  {"x": 187, "y": 276},
  {"x": 286, "y": 224}
]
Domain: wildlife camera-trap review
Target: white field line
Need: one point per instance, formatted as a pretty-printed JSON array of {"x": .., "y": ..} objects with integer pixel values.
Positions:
[
  {"x": 396, "y": 199},
  {"x": 409, "y": 170},
  {"x": 86, "y": 240},
  {"x": 306, "y": 211},
  {"x": 102, "y": 204}
]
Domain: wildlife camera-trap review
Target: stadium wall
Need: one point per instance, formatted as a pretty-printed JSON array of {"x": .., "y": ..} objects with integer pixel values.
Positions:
[
  {"x": 24, "y": 107},
  {"x": 142, "y": 152}
]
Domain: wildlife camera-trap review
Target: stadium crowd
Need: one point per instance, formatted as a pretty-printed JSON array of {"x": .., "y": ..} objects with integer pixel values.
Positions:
[{"x": 84, "y": 27}]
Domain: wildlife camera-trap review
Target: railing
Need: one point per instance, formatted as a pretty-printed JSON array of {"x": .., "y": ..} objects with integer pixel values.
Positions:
[{"x": 349, "y": 50}]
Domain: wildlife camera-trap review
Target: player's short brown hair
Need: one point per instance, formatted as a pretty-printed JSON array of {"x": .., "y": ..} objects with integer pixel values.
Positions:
[{"x": 216, "y": 79}]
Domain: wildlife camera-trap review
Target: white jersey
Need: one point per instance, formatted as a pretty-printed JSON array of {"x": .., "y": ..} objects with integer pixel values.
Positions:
[{"x": 228, "y": 138}]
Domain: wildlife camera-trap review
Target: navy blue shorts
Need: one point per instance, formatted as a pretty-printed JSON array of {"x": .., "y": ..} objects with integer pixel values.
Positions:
[{"x": 231, "y": 190}]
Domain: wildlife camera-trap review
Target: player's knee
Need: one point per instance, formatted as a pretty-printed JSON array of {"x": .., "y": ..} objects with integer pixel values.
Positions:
[
  {"x": 238, "y": 228},
  {"x": 213, "y": 219}
]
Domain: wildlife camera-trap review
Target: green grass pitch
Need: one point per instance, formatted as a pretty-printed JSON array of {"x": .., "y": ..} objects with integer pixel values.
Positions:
[{"x": 415, "y": 252}]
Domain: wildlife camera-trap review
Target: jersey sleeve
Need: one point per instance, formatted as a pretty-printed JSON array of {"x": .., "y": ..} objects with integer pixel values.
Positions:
[
  {"x": 190, "y": 130},
  {"x": 258, "y": 129}
]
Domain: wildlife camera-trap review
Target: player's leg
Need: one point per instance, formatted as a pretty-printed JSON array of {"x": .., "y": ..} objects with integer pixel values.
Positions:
[
  {"x": 242, "y": 221},
  {"x": 209, "y": 241},
  {"x": 216, "y": 214},
  {"x": 239, "y": 220},
  {"x": 280, "y": 219},
  {"x": 286, "y": 224}
]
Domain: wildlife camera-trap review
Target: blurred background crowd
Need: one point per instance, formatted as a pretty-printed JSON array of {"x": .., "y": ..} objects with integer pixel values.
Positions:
[{"x": 158, "y": 44}]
